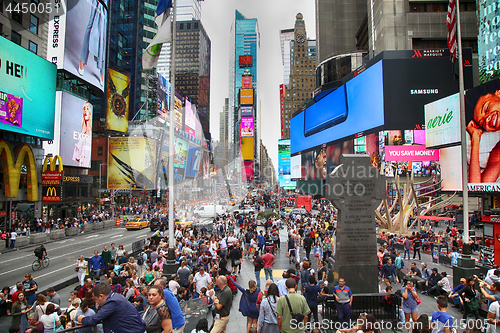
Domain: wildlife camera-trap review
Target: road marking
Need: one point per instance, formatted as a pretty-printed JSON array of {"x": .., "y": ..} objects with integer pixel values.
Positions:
[
  {"x": 93, "y": 236},
  {"x": 116, "y": 236},
  {"x": 140, "y": 236}
]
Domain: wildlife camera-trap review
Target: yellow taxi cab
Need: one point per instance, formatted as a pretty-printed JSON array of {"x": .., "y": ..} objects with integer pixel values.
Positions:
[
  {"x": 231, "y": 202},
  {"x": 183, "y": 223},
  {"x": 136, "y": 223}
]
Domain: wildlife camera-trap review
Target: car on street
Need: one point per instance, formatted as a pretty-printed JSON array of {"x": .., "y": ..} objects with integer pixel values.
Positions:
[
  {"x": 209, "y": 211},
  {"x": 136, "y": 223},
  {"x": 300, "y": 211},
  {"x": 246, "y": 209},
  {"x": 158, "y": 223}
]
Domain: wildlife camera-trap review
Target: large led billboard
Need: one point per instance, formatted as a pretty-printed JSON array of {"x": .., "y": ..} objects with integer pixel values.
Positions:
[
  {"x": 117, "y": 102},
  {"x": 247, "y": 148},
  {"x": 246, "y": 96},
  {"x": 77, "y": 38},
  {"x": 487, "y": 40},
  {"x": 442, "y": 122},
  {"x": 246, "y": 111},
  {"x": 286, "y": 182},
  {"x": 180, "y": 158},
  {"x": 410, "y": 153},
  {"x": 245, "y": 61},
  {"x": 131, "y": 161},
  {"x": 190, "y": 120},
  {"x": 247, "y": 127},
  {"x": 284, "y": 166},
  {"x": 76, "y": 131},
  {"x": 246, "y": 82},
  {"x": 296, "y": 167},
  {"x": 179, "y": 112},
  {"x": 27, "y": 92},
  {"x": 193, "y": 162},
  {"x": 389, "y": 92},
  {"x": 163, "y": 99}
]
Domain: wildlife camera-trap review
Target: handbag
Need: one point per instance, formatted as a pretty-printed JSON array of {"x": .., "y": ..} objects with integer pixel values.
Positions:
[
  {"x": 60, "y": 328},
  {"x": 473, "y": 304},
  {"x": 237, "y": 262},
  {"x": 299, "y": 317},
  {"x": 418, "y": 300}
]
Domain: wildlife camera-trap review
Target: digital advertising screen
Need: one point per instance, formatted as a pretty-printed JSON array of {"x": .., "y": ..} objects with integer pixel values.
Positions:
[
  {"x": 193, "y": 162},
  {"x": 248, "y": 171},
  {"x": 180, "y": 153},
  {"x": 442, "y": 122},
  {"x": 296, "y": 167},
  {"x": 246, "y": 82},
  {"x": 487, "y": 43},
  {"x": 451, "y": 168},
  {"x": 77, "y": 38},
  {"x": 245, "y": 61},
  {"x": 247, "y": 128},
  {"x": 355, "y": 107},
  {"x": 286, "y": 182},
  {"x": 190, "y": 119},
  {"x": 27, "y": 92},
  {"x": 76, "y": 131},
  {"x": 329, "y": 158},
  {"x": 247, "y": 148},
  {"x": 246, "y": 111},
  {"x": 131, "y": 161},
  {"x": 117, "y": 105},
  {"x": 246, "y": 96},
  {"x": 206, "y": 165},
  {"x": 164, "y": 157},
  {"x": 284, "y": 166},
  {"x": 163, "y": 98},
  {"x": 179, "y": 111},
  {"x": 410, "y": 153}
]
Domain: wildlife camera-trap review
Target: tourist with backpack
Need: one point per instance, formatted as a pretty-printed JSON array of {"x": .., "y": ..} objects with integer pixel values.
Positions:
[
  {"x": 258, "y": 266},
  {"x": 400, "y": 264}
]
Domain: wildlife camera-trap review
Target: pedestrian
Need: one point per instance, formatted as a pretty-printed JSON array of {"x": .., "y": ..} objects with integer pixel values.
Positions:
[
  {"x": 312, "y": 291},
  {"x": 268, "y": 320},
  {"x": 318, "y": 253},
  {"x": 29, "y": 288},
  {"x": 407, "y": 247},
  {"x": 292, "y": 309},
  {"x": 200, "y": 280},
  {"x": 258, "y": 266},
  {"x": 443, "y": 286},
  {"x": 54, "y": 297},
  {"x": 13, "y": 237},
  {"x": 178, "y": 319},
  {"x": 84, "y": 310},
  {"x": 388, "y": 273},
  {"x": 81, "y": 269},
  {"x": 410, "y": 303},
  {"x": 343, "y": 296},
  {"x": 308, "y": 242},
  {"x": 106, "y": 259},
  {"x": 416, "y": 247},
  {"x": 115, "y": 312},
  {"x": 441, "y": 322},
  {"x": 20, "y": 309},
  {"x": 50, "y": 319},
  {"x": 268, "y": 260},
  {"x": 222, "y": 305},
  {"x": 470, "y": 298},
  {"x": 248, "y": 303},
  {"x": 96, "y": 264},
  {"x": 157, "y": 315}
]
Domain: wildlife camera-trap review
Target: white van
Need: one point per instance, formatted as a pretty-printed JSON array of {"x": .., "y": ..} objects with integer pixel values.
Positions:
[{"x": 208, "y": 211}]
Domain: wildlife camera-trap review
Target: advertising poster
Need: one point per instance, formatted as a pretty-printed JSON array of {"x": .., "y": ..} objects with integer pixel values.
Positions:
[
  {"x": 410, "y": 153},
  {"x": 442, "y": 122},
  {"x": 308, "y": 172},
  {"x": 246, "y": 96},
  {"x": 76, "y": 131},
  {"x": 487, "y": 43},
  {"x": 419, "y": 137},
  {"x": 284, "y": 166},
  {"x": 248, "y": 171},
  {"x": 190, "y": 118},
  {"x": 163, "y": 98},
  {"x": 246, "y": 82},
  {"x": 180, "y": 153},
  {"x": 77, "y": 39},
  {"x": 332, "y": 156},
  {"x": 246, "y": 111},
  {"x": 193, "y": 162},
  {"x": 178, "y": 111},
  {"x": 247, "y": 127},
  {"x": 247, "y": 148},
  {"x": 286, "y": 182},
  {"x": 27, "y": 92},
  {"x": 372, "y": 149},
  {"x": 296, "y": 167},
  {"x": 131, "y": 161},
  {"x": 206, "y": 165},
  {"x": 164, "y": 157},
  {"x": 117, "y": 106}
]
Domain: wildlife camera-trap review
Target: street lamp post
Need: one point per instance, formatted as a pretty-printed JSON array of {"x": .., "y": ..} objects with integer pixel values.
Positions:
[{"x": 100, "y": 181}]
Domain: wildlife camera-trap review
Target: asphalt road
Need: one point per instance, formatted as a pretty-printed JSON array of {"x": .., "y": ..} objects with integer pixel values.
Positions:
[{"x": 63, "y": 255}]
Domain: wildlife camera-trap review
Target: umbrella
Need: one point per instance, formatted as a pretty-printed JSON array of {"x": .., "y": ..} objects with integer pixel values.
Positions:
[{"x": 435, "y": 218}]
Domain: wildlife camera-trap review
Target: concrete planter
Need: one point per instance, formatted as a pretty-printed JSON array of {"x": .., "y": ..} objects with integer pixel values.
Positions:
[
  {"x": 57, "y": 234},
  {"x": 97, "y": 226},
  {"x": 87, "y": 227},
  {"x": 22, "y": 241},
  {"x": 72, "y": 231},
  {"x": 38, "y": 238},
  {"x": 109, "y": 224}
]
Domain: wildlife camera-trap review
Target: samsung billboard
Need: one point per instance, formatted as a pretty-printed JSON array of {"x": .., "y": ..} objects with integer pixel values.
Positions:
[{"x": 389, "y": 92}]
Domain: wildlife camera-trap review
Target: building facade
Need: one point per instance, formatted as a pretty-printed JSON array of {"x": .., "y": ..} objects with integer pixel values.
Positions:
[{"x": 301, "y": 81}]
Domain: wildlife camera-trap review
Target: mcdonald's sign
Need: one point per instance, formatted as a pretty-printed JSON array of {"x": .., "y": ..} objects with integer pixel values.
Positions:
[
  {"x": 51, "y": 176},
  {"x": 12, "y": 171},
  {"x": 51, "y": 193}
]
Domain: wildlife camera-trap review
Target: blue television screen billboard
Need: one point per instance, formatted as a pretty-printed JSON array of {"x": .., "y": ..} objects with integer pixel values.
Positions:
[
  {"x": 193, "y": 162},
  {"x": 284, "y": 166},
  {"x": 27, "y": 92}
]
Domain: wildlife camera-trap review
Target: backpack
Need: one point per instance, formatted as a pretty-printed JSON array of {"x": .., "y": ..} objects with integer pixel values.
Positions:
[
  {"x": 38, "y": 251},
  {"x": 140, "y": 260},
  {"x": 65, "y": 318},
  {"x": 402, "y": 264},
  {"x": 77, "y": 288}
]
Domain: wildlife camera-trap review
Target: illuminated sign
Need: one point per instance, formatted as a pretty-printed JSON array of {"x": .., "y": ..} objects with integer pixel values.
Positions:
[
  {"x": 246, "y": 82},
  {"x": 12, "y": 172},
  {"x": 246, "y": 111},
  {"x": 410, "y": 153},
  {"x": 246, "y": 96},
  {"x": 442, "y": 122},
  {"x": 51, "y": 193},
  {"x": 245, "y": 61},
  {"x": 51, "y": 176},
  {"x": 247, "y": 148},
  {"x": 247, "y": 127}
]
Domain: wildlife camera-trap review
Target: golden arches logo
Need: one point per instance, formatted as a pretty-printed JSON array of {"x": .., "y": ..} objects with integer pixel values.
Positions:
[
  {"x": 12, "y": 171},
  {"x": 51, "y": 192},
  {"x": 52, "y": 162}
]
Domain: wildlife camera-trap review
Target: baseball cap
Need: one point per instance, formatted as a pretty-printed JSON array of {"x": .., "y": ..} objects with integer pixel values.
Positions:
[
  {"x": 435, "y": 269},
  {"x": 321, "y": 282},
  {"x": 305, "y": 259}
]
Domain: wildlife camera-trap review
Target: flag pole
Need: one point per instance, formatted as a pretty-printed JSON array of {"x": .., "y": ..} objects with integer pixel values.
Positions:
[
  {"x": 171, "y": 240},
  {"x": 463, "y": 134}
]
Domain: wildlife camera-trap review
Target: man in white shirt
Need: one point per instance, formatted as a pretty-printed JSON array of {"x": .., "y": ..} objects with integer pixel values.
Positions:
[
  {"x": 13, "y": 237},
  {"x": 201, "y": 280},
  {"x": 173, "y": 285}
]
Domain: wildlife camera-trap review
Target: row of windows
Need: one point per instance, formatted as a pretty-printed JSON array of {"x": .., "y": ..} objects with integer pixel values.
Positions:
[
  {"x": 17, "y": 38},
  {"x": 188, "y": 26},
  {"x": 441, "y": 7}
]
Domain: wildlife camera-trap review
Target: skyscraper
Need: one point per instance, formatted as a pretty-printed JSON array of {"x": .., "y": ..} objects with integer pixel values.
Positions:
[
  {"x": 301, "y": 81},
  {"x": 286, "y": 37},
  {"x": 243, "y": 56}
]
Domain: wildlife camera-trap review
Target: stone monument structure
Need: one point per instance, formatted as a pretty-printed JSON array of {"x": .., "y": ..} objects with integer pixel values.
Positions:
[{"x": 356, "y": 188}]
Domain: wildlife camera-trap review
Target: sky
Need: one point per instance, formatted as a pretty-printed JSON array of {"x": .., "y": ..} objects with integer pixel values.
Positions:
[{"x": 272, "y": 16}]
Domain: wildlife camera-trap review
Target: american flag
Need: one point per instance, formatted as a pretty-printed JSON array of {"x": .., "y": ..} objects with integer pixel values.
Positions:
[{"x": 451, "y": 23}]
